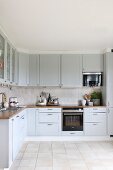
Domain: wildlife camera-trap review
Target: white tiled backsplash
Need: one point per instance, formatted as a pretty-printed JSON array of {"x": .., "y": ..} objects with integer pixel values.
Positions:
[{"x": 29, "y": 95}]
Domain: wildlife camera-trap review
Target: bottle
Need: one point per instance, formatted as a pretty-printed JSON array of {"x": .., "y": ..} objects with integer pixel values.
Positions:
[{"x": 49, "y": 98}]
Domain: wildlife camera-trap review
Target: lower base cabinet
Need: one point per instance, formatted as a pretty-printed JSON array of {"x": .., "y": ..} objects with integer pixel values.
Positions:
[
  {"x": 95, "y": 129},
  {"x": 95, "y": 122},
  {"x": 31, "y": 122},
  {"x": 47, "y": 129},
  {"x": 13, "y": 132},
  {"x": 48, "y": 122}
]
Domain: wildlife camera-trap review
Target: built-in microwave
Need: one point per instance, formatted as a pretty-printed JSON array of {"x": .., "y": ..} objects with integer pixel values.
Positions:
[{"x": 92, "y": 79}]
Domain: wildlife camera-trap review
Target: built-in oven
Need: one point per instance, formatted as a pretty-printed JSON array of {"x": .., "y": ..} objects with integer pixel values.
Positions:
[{"x": 72, "y": 119}]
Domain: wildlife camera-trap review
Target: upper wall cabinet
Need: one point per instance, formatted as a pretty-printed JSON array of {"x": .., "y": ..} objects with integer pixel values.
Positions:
[
  {"x": 2, "y": 56},
  {"x": 8, "y": 62},
  {"x": 92, "y": 63},
  {"x": 71, "y": 70},
  {"x": 49, "y": 70},
  {"x": 33, "y": 70},
  {"x": 23, "y": 78},
  {"x": 13, "y": 66}
]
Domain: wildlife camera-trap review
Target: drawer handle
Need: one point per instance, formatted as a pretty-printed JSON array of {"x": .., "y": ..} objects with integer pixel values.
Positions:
[
  {"x": 95, "y": 109},
  {"x": 49, "y": 124},
  {"x": 50, "y": 114},
  {"x": 72, "y": 133},
  {"x": 95, "y": 114},
  {"x": 17, "y": 116},
  {"x": 94, "y": 124},
  {"x": 49, "y": 109}
]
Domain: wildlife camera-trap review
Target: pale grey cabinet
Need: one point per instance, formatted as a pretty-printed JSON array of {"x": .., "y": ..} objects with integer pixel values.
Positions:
[
  {"x": 71, "y": 70},
  {"x": 23, "y": 78},
  {"x": 49, "y": 70},
  {"x": 2, "y": 57},
  {"x": 31, "y": 122},
  {"x": 93, "y": 63},
  {"x": 108, "y": 76},
  {"x": 110, "y": 121},
  {"x": 8, "y": 63},
  {"x": 33, "y": 70},
  {"x": 107, "y": 89}
]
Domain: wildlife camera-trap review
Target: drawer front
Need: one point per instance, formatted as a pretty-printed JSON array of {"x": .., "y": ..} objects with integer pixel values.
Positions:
[
  {"x": 95, "y": 110},
  {"x": 46, "y": 110},
  {"x": 72, "y": 133},
  {"x": 95, "y": 129},
  {"x": 94, "y": 117},
  {"x": 47, "y": 117},
  {"x": 47, "y": 129}
]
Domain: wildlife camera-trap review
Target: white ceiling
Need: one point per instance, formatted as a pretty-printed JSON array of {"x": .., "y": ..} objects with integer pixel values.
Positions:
[{"x": 73, "y": 25}]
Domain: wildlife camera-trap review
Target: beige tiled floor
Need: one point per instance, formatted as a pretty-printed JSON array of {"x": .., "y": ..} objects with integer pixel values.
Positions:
[{"x": 65, "y": 156}]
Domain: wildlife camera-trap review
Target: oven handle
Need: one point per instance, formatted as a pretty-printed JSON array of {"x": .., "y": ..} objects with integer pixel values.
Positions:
[
  {"x": 72, "y": 111},
  {"x": 73, "y": 114}
]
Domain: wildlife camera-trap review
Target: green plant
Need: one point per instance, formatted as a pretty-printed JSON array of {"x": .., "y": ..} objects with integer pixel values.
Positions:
[{"x": 96, "y": 95}]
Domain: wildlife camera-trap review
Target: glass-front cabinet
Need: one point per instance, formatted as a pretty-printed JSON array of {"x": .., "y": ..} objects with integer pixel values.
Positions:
[
  {"x": 13, "y": 65},
  {"x": 8, "y": 62},
  {"x": 2, "y": 56}
]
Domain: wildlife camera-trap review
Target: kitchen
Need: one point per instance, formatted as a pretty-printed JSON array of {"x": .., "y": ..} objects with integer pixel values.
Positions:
[{"x": 47, "y": 103}]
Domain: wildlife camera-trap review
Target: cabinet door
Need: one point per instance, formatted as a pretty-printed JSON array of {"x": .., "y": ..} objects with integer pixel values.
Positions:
[
  {"x": 109, "y": 79},
  {"x": 2, "y": 56},
  {"x": 71, "y": 70},
  {"x": 110, "y": 121},
  {"x": 33, "y": 70},
  {"x": 13, "y": 66},
  {"x": 49, "y": 70},
  {"x": 31, "y": 122},
  {"x": 23, "y": 69},
  {"x": 92, "y": 63},
  {"x": 15, "y": 136},
  {"x": 95, "y": 129},
  {"x": 8, "y": 62},
  {"x": 47, "y": 129}
]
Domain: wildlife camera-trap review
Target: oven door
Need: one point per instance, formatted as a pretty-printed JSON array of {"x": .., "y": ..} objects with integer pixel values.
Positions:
[{"x": 73, "y": 121}]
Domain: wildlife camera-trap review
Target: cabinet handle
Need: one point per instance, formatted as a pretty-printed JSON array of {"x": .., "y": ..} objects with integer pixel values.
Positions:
[
  {"x": 50, "y": 114},
  {"x": 17, "y": 116},
  {"x": 49, "y": 109},
  {"x": 108, "y": 111},
  {"x": 95, "y": 114},
  {"x": 94, "y": 124},
  {"x": 108, "y": 103},
  {"x": 95, "y": 108},
  {"x": 72, "y": 133},
  {"x": 49, "y": 124}
]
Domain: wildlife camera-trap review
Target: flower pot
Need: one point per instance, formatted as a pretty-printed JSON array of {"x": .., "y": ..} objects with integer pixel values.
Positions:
[{"x": 96, "y": 102}]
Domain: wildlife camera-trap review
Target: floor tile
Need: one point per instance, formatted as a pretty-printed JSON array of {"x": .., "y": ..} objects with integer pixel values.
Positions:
[{"x": 65, "y": 156}]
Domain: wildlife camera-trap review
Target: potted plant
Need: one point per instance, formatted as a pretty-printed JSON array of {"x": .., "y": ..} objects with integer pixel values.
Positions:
[{"x": 96, "y": 97}]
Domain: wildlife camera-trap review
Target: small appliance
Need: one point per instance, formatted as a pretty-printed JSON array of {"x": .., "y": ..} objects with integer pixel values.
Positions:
[
  {"x": 92, "y": 79},
  {"x": 13, "y": 102}
]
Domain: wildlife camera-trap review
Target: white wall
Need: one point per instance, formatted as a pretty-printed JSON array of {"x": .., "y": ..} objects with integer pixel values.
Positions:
[{"x": 28, "y": 95}]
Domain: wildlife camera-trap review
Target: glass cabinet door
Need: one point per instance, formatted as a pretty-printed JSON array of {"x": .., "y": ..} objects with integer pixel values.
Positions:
[
  {"x": 13, "y": 65},
  {"x": 2, "y": 49},
  {"x": 8, "y": 61}
]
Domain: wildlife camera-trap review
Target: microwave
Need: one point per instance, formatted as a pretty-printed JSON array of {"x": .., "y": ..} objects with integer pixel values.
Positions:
[{"x": 92, "y": 79}]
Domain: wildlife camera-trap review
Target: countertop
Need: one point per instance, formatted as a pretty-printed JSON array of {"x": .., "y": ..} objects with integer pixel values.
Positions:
[{"x": 9, "y": 113}]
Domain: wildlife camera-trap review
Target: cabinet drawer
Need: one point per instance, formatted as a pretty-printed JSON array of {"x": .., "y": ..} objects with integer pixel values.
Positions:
[
  {"x": 47, "y": 117},
  {"x": 46, "y": 110},
  {"x": 47, "y": 129},
  {"x": 95, "y": 129},
  {"x": 94, "y": 117}
]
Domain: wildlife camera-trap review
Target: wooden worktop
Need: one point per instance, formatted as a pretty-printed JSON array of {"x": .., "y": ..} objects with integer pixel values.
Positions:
[
  {"x": 9, "y": 113},
  {"x": 12, "y": 112},
  {"x": 62, "y": 106}
]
